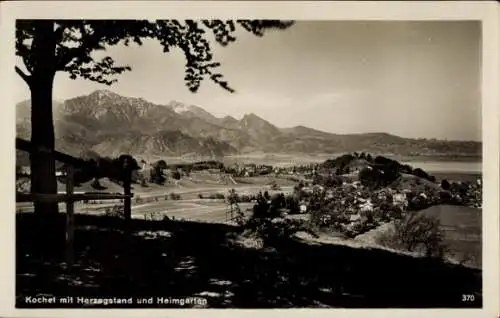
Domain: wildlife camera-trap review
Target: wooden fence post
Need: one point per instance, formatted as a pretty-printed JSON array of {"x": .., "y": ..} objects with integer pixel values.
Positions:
[
  {"x": 70, "y": 221},
  {"x": 127, "y": 202}
]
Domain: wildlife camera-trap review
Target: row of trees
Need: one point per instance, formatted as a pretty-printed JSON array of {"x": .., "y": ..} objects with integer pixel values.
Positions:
[{"x": 381, "y": 167}]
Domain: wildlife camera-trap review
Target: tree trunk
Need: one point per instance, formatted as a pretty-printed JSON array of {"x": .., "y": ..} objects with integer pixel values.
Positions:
[{"x": 43, "y": 177}]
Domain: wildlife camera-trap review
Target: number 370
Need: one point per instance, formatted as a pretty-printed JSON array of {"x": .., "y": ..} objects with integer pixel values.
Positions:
[{"x": 467, "y": 297}]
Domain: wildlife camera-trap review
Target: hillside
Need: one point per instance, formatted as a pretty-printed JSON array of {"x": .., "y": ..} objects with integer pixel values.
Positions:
[{"x": 111, "y": 124}]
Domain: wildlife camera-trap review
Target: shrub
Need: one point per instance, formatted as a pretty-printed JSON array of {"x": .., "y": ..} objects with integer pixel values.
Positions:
[
  {"x": 156, "y": 175},
  {"x": 292, "y": 204},
  {"x": 416, "y": 231},
  {"x": 217, "y": 196},
  {"x": 424, "y": 175},
  {"x": 406, "y": 169},
  {"x": 200, "y": 196},
  {"x": 445, "y": 197},
  {"x": 274, "y": 231},
  {"x": 176, "y": 175},
  {"x": 115, "y": 211},
  {"x": 445, "y": 184},
  {"x": 245, "y": 198},
  {"x": 371, "y": 178},
  {"x": 268, "y": 223},
  {"x": 97, "y": 185},
  {"x": 175, "y": 196}
]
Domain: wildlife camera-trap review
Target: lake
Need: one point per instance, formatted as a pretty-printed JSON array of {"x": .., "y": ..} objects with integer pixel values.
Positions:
[{"x": 474, "y": 167}]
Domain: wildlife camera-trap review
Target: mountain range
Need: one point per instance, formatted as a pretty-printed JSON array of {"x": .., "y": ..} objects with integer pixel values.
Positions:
[{"x": 109, "y": 124}]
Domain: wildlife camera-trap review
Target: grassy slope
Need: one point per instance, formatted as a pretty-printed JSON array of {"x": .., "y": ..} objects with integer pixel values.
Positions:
[
  {"x": 462, "y": 226},
  {"x": 198, "y": 258}
]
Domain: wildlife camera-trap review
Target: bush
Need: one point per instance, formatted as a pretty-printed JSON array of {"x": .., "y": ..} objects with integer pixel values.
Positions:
[
  {"x": 327, "y": 181},
  {"x": 217, "y": 196},
  {"x": 445, "y": 197},
  {"x": 371, "y": 178},
  {"x": 274, "y": 231},
  {"x": 245, "y": 198},
  {"x": 176, "y": 175},
  {"x": 156, "y": 176},
  {"x": 175, "y": 196},
  {"x": 414, "y": 232},
  {"x": 200, "y": 196},
  {"x": 115, "y": 211},
  {"x": 97, "y": 185},
  {"x": 269, "y": 225},
  {"x": 424, "y": 175},
  {"x": 445, "y": 184}
]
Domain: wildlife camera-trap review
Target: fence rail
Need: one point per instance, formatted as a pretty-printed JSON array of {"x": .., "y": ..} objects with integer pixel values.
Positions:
[
  {"x": 52, "y": 198},
  {"x": 70, "y": 197}
]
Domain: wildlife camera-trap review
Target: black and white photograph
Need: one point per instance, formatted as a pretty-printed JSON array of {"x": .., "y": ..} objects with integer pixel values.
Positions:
[{"x": 248, "y": 163}]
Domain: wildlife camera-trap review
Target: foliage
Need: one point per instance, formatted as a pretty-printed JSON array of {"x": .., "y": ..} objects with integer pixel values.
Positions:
[
  {"x": 96, "y": 168},
  {"x": 421, "y": 173},
  {"x": 416, "y": 231},
  {"x": 340, "y": 161},
  {"x": 327, "y": 181},
  {"x": 216, "y": 196},
  {"x": 351, "y": 210},
  {"x": 385, "y": 168},
  {"x": 175, "y": 196},
  {"x": 115, "y": 211},
  {"x": 176, "y": 175},
  {"x": 157, "y": 176},
  {"x": 199, "y": 165},
  {"x": 76, "y": 40},
  {"x": 376, "y": 177},
  {"x": 466, "y": 193},
  {"x": 46, "y": 47},
  {"x": 274, "y": 231},
  {"x": 235, "y": 211},
  {"x": 160, "y": 164},
  {"x": 445, "y": 184},
  {"x": 268, "y": 222},
  {"x": 423, "y": 199}
]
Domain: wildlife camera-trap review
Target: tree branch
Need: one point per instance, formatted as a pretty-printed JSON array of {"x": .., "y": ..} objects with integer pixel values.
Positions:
[{"x": 24, "y": 76}]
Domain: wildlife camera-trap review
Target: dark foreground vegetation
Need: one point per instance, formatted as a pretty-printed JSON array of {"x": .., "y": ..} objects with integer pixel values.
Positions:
[{"x": 186, "y": 259}]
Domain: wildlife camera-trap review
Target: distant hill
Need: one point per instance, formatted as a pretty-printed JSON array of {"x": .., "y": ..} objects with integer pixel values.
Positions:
[{"x": 110, "y": 124}]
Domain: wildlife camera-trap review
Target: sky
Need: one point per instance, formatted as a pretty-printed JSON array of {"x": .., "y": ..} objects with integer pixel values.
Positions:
[{"x": 417, "y": 79}]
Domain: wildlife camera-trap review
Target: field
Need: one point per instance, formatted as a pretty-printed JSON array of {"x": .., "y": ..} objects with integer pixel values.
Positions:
[
  {"x": 155, "y": 200},
  {"x": 462, "y": 227}
]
